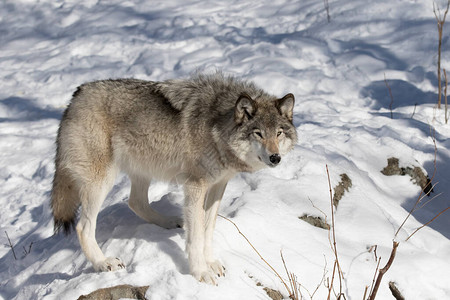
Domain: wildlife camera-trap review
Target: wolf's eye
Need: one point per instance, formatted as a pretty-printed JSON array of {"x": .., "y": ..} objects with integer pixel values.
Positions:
[
  {"x": 258, "y": 133},
  {"x": 279, "y": 133}
]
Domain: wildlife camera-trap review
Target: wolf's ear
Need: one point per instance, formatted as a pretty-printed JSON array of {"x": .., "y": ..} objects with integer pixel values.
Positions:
[
  {"x": 286, "y": 106},
  {"x": 245, "y": 109}
]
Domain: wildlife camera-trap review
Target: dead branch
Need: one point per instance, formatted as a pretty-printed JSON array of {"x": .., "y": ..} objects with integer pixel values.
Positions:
[
  {"x": 382, "y": 271},
  {"x": 374, "y": 277}
]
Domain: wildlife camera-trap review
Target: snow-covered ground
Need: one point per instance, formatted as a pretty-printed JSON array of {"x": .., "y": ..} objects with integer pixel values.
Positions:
[{"x": 335, "y": 69}]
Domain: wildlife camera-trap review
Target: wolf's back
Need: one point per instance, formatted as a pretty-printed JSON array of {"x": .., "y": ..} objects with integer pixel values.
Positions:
[{"x": 204, "y": 89}]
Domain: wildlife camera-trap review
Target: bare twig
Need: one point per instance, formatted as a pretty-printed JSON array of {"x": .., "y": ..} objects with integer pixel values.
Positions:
[
  {"x": 323, "y": 277},
  {"x": 440, "y": 24},
  {"x": 330, "y": 287},
  {"x": 374, "y": 248},
  {"x": 374, "y": 277},
  {"x": 375, "y": 252},
  {"x": 260, "y": 256},
  {"x": 390, "y": 94},
  {"x": 382, "y": 271},
  {"x": 321, "y": 211},
  {"x": 333, "y": 246},
  {"x": 11, "y": 246},
  {"x": 427, "y": 223},
  {"x": 429, "y": 200},
  {"x": 365, "y": 292}
]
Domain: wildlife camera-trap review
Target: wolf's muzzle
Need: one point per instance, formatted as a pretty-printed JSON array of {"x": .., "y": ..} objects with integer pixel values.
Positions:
[{"x": 275, "y": 158}]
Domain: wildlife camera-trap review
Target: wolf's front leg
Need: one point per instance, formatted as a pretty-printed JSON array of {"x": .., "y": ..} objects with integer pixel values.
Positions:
[
  {"x": 212, "y": 204},
  {"x": 194, "y": 214}
]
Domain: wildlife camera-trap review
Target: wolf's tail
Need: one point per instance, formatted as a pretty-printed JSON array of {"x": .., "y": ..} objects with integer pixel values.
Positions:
[{"x": 65, "y": 201}]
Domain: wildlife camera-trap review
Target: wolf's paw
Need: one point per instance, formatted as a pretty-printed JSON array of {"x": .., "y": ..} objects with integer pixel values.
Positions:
[
  {"x": 217, "y": 268},
  {"x": 109, "y": 264},
  {"x": 206, "y": 277}
]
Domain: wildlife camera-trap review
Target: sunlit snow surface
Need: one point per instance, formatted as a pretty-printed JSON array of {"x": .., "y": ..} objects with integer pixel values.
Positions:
[{"x": 337, "y": 73}]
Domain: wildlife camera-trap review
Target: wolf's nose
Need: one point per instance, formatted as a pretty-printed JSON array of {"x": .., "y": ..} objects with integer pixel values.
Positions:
[{"x": 275, "y": 158}]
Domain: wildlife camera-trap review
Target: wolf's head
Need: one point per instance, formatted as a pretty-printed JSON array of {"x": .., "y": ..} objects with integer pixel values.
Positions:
[{"x": 264, "y": 130}]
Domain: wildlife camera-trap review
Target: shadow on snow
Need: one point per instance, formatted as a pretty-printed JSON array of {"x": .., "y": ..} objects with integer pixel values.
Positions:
[
  {"x": 117, "y": 221},
  {"x": 23, "y": 110}
]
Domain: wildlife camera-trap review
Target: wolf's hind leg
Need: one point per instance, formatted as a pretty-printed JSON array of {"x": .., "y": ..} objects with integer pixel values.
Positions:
[
  {"x": 92, "y": 197},
  {"x": 138, "y": 203}
]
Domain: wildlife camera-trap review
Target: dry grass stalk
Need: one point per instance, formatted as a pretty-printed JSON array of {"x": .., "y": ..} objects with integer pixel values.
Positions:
[
  {"x": 427, "y": 223},
  {"x": 262, "y": 258},
  {"x": 365, "y": 292},
  {"x": 440, "y": 24},
  {"x": 334, "y": 247},
  {"x": 295, "y": 287}
]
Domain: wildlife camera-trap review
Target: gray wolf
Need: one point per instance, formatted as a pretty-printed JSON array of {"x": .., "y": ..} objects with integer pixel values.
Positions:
[{"x": 199, "y": 131}]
